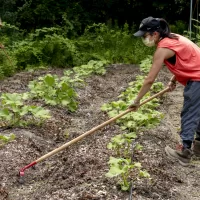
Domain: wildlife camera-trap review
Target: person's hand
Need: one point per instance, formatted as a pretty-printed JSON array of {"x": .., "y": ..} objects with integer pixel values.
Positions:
[
  {"x": 172, "y": 85},
  {"x": 135, "y": 105}
]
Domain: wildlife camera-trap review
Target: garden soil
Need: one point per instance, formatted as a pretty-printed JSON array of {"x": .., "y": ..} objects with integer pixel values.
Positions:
[{"x": 78, "y": 172}]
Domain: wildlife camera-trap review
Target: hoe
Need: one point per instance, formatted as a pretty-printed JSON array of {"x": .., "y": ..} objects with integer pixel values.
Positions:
[{"x": 64, "y": 146}]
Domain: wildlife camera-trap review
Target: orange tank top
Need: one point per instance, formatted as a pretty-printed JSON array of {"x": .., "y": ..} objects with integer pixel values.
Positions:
[{"x": 187, "y": 64}]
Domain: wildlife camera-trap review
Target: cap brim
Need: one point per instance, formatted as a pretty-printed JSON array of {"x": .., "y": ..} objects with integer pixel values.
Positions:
[{"x": 139, "y": 33}]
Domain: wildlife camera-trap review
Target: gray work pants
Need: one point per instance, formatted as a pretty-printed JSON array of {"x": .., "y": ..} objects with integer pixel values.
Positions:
[{"x": 190, "y": 115}]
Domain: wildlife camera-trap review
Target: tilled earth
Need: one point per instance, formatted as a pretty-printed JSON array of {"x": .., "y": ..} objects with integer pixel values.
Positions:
[{"x": 78, "y": 172}]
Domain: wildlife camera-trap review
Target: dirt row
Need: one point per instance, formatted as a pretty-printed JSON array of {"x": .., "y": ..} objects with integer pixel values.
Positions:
[{"x": 78, "y": 173}]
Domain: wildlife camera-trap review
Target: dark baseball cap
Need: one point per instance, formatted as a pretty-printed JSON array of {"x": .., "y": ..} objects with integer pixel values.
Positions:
[{"x": 148, "y": 24}]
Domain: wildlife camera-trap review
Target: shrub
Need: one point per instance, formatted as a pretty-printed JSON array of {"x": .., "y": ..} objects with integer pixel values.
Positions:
[
  {"x": 116, "y": 45},
  {"x": 50, "y": 47},
  {"x": 48, "y": 50},
  {"x": 7, "y": 63}
]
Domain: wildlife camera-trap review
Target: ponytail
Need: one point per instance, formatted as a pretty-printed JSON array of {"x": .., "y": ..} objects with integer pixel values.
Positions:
[{"x": 165, "y": 31}]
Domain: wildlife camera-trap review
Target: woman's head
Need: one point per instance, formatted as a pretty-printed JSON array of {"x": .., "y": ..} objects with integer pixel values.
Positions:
[
  {"x": 152, "y": 30},
  {"x": 148, "y": 24}
]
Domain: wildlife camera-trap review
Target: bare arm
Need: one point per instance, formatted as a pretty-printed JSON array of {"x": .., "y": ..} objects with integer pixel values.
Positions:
[{"x": 160, "y": 55}]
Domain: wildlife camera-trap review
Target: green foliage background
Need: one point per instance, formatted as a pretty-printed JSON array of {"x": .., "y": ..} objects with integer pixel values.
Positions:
[
  {"x": 50, "y": 47},
  {"x": 76, "y": 15},
  {"x": 49, "y": 33}
]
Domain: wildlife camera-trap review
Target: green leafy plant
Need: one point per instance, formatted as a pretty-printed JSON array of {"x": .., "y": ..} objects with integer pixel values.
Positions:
[
  {"x": 54, "y": 91},
  {"x": 14, "y": 112},
  {"x": 111, "y": 43},
  {"x": 92, "y": 67},
  {"x": 121, "y": 144},
  {"x": 10, "y": 34},
  {"x": 59, "y": 51},
  {"x": 146, "y": 64},
  {"x": 178, "y": 27},
  {"x": 47, "y": 48},
  {"x": 61, "y": 91},
  {"x": 7, "y": 63},
  {"x": 146, "y": 117},
  {"x": 5, "y": 139},
  {"x": 27, "y": 54},
  {"x": 122, "y": 168}
]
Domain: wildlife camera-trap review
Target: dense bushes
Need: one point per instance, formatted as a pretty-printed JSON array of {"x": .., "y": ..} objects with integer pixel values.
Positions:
[
  {"x": 76, "y": 15},
  {"x": 49, "y": 47},
  {"x": 7, "y": 64},
  {"x": 53, "y": 50},
  {"x": 113, "y": 44}
]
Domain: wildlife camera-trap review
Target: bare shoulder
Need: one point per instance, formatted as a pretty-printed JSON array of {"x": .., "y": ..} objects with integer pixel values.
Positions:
[{"x": 163, "y": 53}]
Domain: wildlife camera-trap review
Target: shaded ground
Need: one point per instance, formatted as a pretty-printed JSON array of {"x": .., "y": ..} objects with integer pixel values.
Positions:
[{"x": 78, "y": 173}]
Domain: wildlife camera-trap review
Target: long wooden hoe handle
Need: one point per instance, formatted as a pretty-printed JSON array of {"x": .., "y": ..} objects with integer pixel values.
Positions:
[{"x": 88, "y": 133}]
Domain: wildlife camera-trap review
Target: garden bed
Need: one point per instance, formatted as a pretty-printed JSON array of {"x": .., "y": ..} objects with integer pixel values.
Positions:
[{"x": 78, "y": 173}]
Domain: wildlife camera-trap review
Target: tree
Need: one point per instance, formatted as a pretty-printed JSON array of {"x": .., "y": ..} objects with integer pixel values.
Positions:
[{"x": 76, "y": 15}]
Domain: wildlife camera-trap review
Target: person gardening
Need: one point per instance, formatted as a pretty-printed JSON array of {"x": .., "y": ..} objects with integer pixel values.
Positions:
[{"x": 182, "y": 58}]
